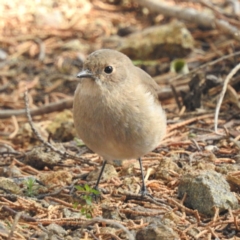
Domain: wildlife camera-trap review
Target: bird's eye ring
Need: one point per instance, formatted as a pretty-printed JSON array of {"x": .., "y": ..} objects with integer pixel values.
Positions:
[{"x": 108, "y": 69}]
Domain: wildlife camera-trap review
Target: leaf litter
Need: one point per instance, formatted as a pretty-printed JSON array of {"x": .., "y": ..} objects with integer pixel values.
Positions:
[{"x": 45, "y": 195}]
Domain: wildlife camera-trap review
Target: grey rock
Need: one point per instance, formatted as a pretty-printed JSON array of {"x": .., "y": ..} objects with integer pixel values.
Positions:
[
  {"x": 157, "y": 232},
  {"x": 3, "y": 54},
  {"x": 9, "y": 186},
  {"x": 68, "y": 213},
  {"x": 108, "y": 173},
  {"x": 56, "y": 229},
  {"x": 205, "y": 190},
  {"x": 39, "y": 158},
  {"x": 109, "y": 212}
]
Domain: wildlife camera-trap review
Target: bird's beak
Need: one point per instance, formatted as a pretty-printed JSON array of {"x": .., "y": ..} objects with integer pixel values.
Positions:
[{"x": 85, "y": 74}]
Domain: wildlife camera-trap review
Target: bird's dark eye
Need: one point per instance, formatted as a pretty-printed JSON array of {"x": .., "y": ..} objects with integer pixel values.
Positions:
[{"x": 108, "y": 69}]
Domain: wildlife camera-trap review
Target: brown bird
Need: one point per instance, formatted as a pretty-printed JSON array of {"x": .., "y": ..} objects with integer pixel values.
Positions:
[{"x": 116, "y": 109}]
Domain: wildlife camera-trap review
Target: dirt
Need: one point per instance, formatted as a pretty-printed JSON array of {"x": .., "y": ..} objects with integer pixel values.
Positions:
[{"x": 46, "y": 190}]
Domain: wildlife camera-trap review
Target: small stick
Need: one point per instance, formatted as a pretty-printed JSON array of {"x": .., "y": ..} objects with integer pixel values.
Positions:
[
  {"x": 64, "y": 154},
  {"x": 228, "y": 78}
]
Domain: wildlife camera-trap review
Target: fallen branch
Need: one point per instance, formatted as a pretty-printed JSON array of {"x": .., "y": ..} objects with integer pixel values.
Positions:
[
  {"x": 195, "y": 70},
  {"x": 191, "y": 15},
  {"x": 164, "y": 93},
  {"x": 58, "y": 106},
  {"x": 47, "y": 144}
]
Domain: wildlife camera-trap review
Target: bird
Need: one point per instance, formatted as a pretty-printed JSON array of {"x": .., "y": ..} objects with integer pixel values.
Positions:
[{"x": 116, "y": 109}]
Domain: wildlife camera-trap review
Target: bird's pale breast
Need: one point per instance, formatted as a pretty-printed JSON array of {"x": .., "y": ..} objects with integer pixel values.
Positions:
[{"x": 121, "y": 124}]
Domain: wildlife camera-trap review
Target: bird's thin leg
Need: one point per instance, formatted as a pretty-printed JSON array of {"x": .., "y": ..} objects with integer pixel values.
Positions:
[
  {"x": 100, "y": 175},
  {"x": 143, "y": 188},
  {"x": 97, "y": 196}
]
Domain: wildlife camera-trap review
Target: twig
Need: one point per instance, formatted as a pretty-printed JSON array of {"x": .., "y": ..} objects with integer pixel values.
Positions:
[
  {"x": 113, "y": 236},
  {"x": 61, "y": 105},
  {"x": 219, "y": 14},
  {"x": 176, "y": 96},
  {"x": 191, "y": 15},
  {"x": 196, "y": 144},
  {"x": 204, "y": 66},
  {"x": 15, "y": 123},
  {"x": 89, "y": 232},
  {"x": 187, "y": 122},
  {"x": 64, "y": 154},
  {"x": 228, "y": 78},
  {"x": 35, "y": 130},
  {"x": 42, "y": 49},
  {"x": 163, "y": 94},
  {"x": 22, "y": 216},
  {"x": 16, "y": 219}
]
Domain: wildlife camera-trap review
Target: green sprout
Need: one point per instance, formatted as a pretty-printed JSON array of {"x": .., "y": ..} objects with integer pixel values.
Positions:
[
  {"x": 79, "y": 142},
  {"x": 87, "y": 195},
  {"x": 192, "y": 135},
  {"x": 30, "y": 184},
  {"x": 179, "y": 66}
]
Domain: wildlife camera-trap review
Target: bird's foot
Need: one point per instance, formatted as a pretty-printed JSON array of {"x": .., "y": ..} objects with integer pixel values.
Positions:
[
  {"x": 96, "y": 194},
  {"x": 144, "y": 192}
]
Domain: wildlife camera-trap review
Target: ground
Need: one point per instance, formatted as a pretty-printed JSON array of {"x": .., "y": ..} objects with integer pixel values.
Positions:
[{"x": 47, "y": 178}]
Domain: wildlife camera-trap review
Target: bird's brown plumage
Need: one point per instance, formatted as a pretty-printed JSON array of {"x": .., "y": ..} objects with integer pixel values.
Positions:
[{"x": 117, "y": 115}]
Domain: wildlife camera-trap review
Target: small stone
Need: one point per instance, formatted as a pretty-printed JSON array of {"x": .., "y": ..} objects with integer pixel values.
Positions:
[
  {"x": 157, "y": 232},
  {"x": 109, "y": 172},
  {"x": 211, "y": 148},
  {"x": 3, "y": 54},
  {"x": 163, "y": 171},
  {"x": 206, "y": 190},
  {"x": 111, "y": 212},
  {"x": 40, "y": 157},
  {"x": 56, "y": 229},
  {"x": 71, "y": 214},
  {"x": 9, "y": 186},
  {"x": 58, "y": 178}
]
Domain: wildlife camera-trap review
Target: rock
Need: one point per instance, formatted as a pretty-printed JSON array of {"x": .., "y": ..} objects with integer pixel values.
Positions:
[
  {"x": 3, "y": 54},
  {"x": 40, "y": 157},
  {"x": 172, "y": 217},
  {"x": 171, "y": 40},
  {"x": 130, "y": 184},
  {"x": 62, "y": 128},
  {"x": 10, "y": 171},
  {"x": 111, "y": 212},
  {"x": 54, "y": 179},
  {"x": 205, "y": 190},
  {"x": 157, "y": 232},
  {"x": 68, "y": 213},
  {"x": 56, "y": 229},
  {"x": 108, "y": 173},
  {"x": 9, "y": 186},
  {"x": 163, "y": 171}
]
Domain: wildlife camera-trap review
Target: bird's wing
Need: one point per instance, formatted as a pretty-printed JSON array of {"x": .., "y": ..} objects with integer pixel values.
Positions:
[{"x": 148, "y": 82}]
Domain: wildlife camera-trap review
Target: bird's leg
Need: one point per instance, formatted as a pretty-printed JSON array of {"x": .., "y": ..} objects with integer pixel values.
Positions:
[
  {"x": 100, "y": 175},
  {"x": 143, "y": 190}
]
